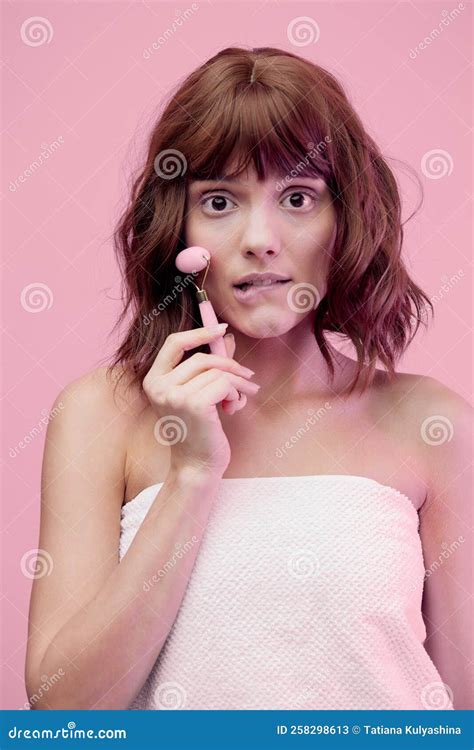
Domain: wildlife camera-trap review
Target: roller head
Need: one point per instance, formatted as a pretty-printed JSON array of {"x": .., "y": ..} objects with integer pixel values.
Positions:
[{"x": 192, "y": 259}]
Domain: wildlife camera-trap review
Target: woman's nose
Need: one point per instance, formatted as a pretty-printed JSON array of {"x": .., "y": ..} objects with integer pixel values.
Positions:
[
  {"x": 261, "y": 250},
  {"x": 260, "y": 237}
]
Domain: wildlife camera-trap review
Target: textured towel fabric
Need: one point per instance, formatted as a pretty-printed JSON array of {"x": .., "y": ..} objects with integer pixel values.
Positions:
[{"x": 305, "y": 594}]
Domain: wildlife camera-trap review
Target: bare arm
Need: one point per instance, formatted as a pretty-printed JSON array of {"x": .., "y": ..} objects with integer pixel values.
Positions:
[
  {"x": 95, "y": 629},
  {"x": 446, "y": 535}
]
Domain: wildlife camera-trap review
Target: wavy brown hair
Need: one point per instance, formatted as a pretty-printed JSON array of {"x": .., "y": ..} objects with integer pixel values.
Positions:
[{"x": 282, "y": 113}]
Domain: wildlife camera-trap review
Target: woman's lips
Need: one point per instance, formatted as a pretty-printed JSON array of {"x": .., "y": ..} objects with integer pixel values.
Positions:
[{"x": 253, "y": 291}]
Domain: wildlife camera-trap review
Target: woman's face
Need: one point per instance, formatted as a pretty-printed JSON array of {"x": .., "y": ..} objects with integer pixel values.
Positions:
[{"x": 250, "y": 228}]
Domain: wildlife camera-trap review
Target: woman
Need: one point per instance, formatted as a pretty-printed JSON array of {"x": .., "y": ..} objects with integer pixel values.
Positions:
[{"x": 274, "y": 556}]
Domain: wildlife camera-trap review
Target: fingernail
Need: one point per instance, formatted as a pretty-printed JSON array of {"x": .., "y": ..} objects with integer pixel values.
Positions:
[{"x": 217, "y": 328}]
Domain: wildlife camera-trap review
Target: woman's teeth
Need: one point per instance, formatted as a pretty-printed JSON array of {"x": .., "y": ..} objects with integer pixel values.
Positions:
[
  {"x": 268, "y": 282},
  {"x": 249, "y": 291}
]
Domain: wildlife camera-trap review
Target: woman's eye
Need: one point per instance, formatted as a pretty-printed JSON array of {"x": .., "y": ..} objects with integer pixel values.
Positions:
[
  {"x": 297, "y": 197},
  {"x": 217, "y": 203}
]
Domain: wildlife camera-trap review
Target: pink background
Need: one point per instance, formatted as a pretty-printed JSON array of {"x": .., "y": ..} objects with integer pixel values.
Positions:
[{"x": 92, "y": 89}]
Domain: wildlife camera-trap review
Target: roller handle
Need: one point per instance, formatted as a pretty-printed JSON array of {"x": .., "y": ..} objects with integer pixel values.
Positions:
[{"x": 217, "y": 346}]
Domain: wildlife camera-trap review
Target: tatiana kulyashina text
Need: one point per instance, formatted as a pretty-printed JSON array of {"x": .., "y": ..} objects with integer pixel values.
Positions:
[{"x": 411, "y": 729}]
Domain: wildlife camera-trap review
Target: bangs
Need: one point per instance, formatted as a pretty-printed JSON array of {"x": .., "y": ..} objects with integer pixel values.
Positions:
[{"x": 265, "y": 128}]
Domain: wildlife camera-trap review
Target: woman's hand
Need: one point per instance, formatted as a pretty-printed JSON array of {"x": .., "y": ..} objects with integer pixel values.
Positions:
[{"x": 185, "y": 395}]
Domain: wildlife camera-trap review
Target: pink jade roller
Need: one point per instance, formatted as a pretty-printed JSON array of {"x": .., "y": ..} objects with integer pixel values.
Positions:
[{"x": 192, "y": 260}]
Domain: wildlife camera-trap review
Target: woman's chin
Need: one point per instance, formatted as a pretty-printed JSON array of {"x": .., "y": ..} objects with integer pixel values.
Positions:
[{"x": 265, "y": 324}]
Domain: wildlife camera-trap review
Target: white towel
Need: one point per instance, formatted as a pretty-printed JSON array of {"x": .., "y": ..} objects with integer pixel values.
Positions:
[{"x": 305, "y": 594}]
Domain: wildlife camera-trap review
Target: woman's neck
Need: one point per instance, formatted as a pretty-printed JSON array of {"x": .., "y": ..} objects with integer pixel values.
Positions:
[{"x": 291, "y": 365}]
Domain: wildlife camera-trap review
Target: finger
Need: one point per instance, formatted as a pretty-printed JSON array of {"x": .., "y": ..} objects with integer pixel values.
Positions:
[
  {"x": 230, "y": 407},
  {"x": 200, "y": 362},
  {"x": 197, "y": 385},
  {"x": 220, "y": 388},
  {"x": 176, "y": 344}
]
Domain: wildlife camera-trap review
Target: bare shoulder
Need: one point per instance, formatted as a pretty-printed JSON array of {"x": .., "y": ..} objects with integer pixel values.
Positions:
[
  {"x": 103, "y": 383},
  {"x": 106, "y": 391},
  {"x": 436, "y": 419},
  {"x": 420, "y": 391},
  {"x": 90, "y": 422},
  {"x": 422, "y": 403},
  {"x": 119, "y": 420}
]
